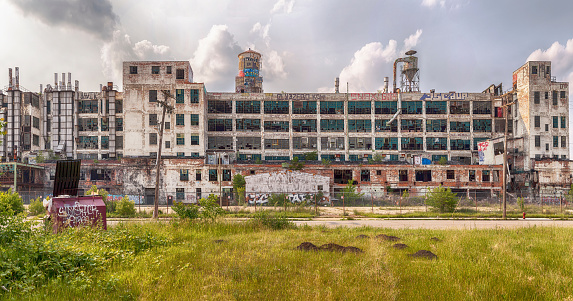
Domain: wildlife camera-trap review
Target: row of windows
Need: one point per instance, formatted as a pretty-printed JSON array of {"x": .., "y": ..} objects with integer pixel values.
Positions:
[
  {"x": 179, "y": 95},
  {"x": 337, "y": 143},
  {"x": 179, "y": 139},
  {"x": 354, "y": 125},
  {"x": 212, "y": 176},
  {"x": 555, "y": 142},
  {"x": 556, "y": 120},
  {"x": 91, "y": 124},
  {"x": 554, "y": 98},
  {"x": 354, "y": 107},
  {"x": 92, "y": 106},
  {"x": 179, "y": 73},
  {"x": 93, "y": 142},
  {"x": 179, "y": 120}
]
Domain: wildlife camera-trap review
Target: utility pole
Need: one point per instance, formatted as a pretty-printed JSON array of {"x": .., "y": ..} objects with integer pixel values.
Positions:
[
  {"x": 166, "y": 108},
  {"x": 504, "y": 186}
]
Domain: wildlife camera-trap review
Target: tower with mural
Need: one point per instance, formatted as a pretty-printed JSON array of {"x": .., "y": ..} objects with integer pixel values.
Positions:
[{"x": 249, "y": 79}]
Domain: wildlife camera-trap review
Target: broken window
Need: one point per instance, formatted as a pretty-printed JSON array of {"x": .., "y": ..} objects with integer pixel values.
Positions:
[
  {"x": 563, "y": 141},
  {"x": 218, "y": 142},
  {"x": 88, "y": 142},
  {"x": 194, "y": 119},
  {"x": 179, "y": 96},
  {"x": 248, "y": 107},
  {"x": 436, "y": 107},
  {"x": 555, "y": 122},
  {"x": 276, "y": 126},
  {"x": 411, "y": 125},
  {"x": 533, "y": 69},
  {"x": 105, "y": 124},
  {"x": 87, "y": 124},
  {"x": 248, "y": 142},
  {"x": 459, "y": 107},
  {"x": 537, "y": 121},
  {"x": 436, "y": 125},
  {"x": 360, "y": 143},
  {"x": 167, "y": 125},
  {"x": 167, "y": 144},
  {"x": 411, "y": 107},
  {"x": 168, "y": 69},
  {"x": 498, "y": 148},
  {"x": 482, "y": 125},
  {"x": 342, "y": 176},
  {"x": 563, "y": 122},
  {"x": 226, "y": 175},
  {"x": 382, "y": 127},
  {"x": 403, "y": 176},
  {"x": 152, "y": 95},
  {"x": 365, "y": 175},
  {"x": 219, "y": 106},
  {"x": 332, "y": 143},
  {"x": 276, "y": 144},
  {"x": 359, "y": 107},
  {"x": 154, "y": 69},
  {"x": 220, "y": 125},
  {"x": 459, "y": 126},
  {"x": 437, "y": 143},
  {"x": 277, "y": 158},
  {"x": 104, "y": 142},
  {"x": 478, "y": 140},
  {"x": 412, "y": 143},
  {"x": 36, "y": 122},
  {"x": 213, "y": 175},
  {"x": 386, "y": 143},
  {"x": 304, "y": 107},
  {"x": 152, "y": 119},
  {"x": 555, "y": 141},
  {"x": 332, "y": 125},
  {"x": 119, "y": 124},
  {"x": 304, "y": 143},
  {"x": 499, "y": 126},
  {"x": 450, "y": 174},
  {"x": 357, "y": 158},
  {"x": 472, "y": 175},
  {"x": 100, "y": 175},
  {"x": 537, "y": 141},
  {"x": 424, "y": 175},
  {"x": 36, "y": 140},
  {"x": 194, "y": 139},
  {"x": 194, "y": 96},
  {"x": 331, "y": 107},
  {"x": 482, "y": 107},
  {"x": 132, "y": 69},
  {"x": 303, "y": 125},
  {"x": 180, "y": 139},
  {"x": 276, "y": 107},
  {"x": 119, "y": 142},
  {"x": 184, "y": 175},
  {"x": 459, "y": 144},
  {"x": 198, "y": 193},
  {"x": 152, "y": 138},
  {"x": 179, "y": 119},
  {"x": 248, "y": 124},
  {"x": 360, "y": 125},
  {"x": 385, "y": 107},
  {"x": 198, "y": 175},
  {"x": 118, "y": 106},
  {"x": 563, "y": 95},
  {"x": 180, "y": 74},
  {"x": 180, "y": 193},
  {"x": 88, "y": 106},
  {"x": 536, "y": 97}
]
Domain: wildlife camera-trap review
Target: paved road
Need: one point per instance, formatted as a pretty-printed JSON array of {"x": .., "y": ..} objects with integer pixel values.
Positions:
[{"x": 438, "y": 224}]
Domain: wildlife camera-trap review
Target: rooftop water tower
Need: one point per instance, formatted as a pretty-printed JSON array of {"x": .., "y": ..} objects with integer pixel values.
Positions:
[{"x": 410, "y": 75}]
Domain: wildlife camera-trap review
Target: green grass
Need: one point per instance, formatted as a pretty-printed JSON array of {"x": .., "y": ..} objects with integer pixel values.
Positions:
[{"x": 183, "y": 261}]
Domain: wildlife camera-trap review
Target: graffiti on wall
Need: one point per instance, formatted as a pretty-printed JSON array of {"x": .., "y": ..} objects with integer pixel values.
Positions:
[
  {"x": 77, "y": 213},
  {"x": 444, "y": 96},
  {"x": 295, "y": 198}
]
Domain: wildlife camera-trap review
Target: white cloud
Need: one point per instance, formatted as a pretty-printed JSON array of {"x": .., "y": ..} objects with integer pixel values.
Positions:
[
  {"x": 273, "y": 66},
  {"x": 561, "y": 57},
  {"x": 366, "y": 70},
  {"x": 263, "y": 32},
  {"x": 445, "y": 4},
  {"x": 432, "y": 3},
  {"x": 215, "y": 60},
  {"x": 283, "y": 5},
  {"x": 120, "y": 48}
]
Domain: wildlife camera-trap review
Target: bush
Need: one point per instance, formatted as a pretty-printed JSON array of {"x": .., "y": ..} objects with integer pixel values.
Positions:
[
  {"x": 276, "y": 221},
  {"x": 125, "y": 207},
  {"x": 36, "y": 207},
  {"x": 109, "y": 205},
  {"x": 185, "y": 211},
  {"x": 442, "y": 199},
  {"x": 11, "y": 203},
  {"x": 211, "y": 209}
]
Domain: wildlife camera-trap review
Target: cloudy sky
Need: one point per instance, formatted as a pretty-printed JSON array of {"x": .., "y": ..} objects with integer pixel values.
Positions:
[{"x": 463, "y": 45}]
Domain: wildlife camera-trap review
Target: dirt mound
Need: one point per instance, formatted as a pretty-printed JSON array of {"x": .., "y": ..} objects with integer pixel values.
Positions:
[
  {"x": 388, "y": 237},
  {"x": 362, "y": 236},
  {"x": 332, "y": 247},
  {"x": 435, "y": 239},
  {"x": 218, "y": 241},
  {"x": 400, "y": 246},
  {"x": 424, "y": 254},
  {"x": 352, "y": 249},
  {"x": 307, "y": 246}
]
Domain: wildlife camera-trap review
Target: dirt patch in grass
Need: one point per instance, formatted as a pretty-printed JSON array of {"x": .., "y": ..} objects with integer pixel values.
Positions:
[
  {"x": 388, "y": 237},
  {"x": 332, "y": 247},
  {"x": 424, "y": 254},
  {"x": 400, "y": 246},
  {"x": 362, "y": 236},
  {"x": 435, "y": 239},
  {"x": 219, "y": 241},
  {"x": 307, "y": 246},
  {"x": 351, "y": 249}
]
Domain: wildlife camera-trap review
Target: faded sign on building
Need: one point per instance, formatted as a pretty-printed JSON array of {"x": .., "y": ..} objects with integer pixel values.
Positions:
[{"x": 297, "y": 185}]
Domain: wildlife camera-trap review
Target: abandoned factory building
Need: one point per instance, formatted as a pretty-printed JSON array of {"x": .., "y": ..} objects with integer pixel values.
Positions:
[{"x": 397, "y": 139}]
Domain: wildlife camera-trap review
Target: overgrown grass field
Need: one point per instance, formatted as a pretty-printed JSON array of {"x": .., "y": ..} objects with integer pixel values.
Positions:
[{"x": 183, "y": 260}]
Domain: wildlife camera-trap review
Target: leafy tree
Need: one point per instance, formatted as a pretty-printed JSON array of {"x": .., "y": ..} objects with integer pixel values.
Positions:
[
  {"x": 326, "y": 162},
  {"x": 443, "y": 161},
  {"x": 11, "y": 203},
  {"x": 295, "y": 164},
  {"x": 312, "y": 156},
  {"x": 40, "y": 158},
  {"x": 377, "y": 157},
  {"x": 350, "y": 194},
  {"x": 211, "y": 209},
  {"x": 109, "y": 205},
  {"x": 36, "y": 207},
  {"x": 442, "y": 199},
  {"x": 125, "y": 207}
]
